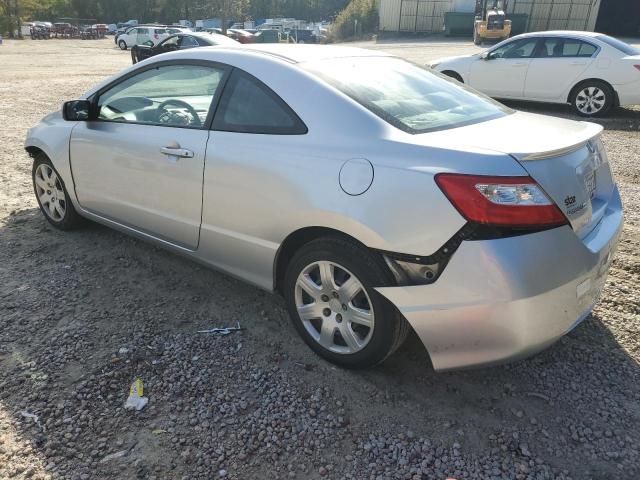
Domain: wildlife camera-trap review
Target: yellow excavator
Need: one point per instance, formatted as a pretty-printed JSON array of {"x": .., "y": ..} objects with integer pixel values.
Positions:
[{"x": 491, "y": 22}]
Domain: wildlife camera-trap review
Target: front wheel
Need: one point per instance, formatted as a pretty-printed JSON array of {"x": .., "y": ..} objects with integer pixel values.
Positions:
[
  {"x": 476, "y": 38},
  {"x": 330, "y": 296},
  {"x": 122, "y": 44},
  {"x": 592, "y": 98},
  {"x": 52, "y": 195}
]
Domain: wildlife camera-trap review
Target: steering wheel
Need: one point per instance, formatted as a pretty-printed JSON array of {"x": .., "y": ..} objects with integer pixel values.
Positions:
[{"x": 161, "y": 111}]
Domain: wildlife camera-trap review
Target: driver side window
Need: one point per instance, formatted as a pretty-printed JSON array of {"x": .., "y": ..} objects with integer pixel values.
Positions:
[
  {"x": 171, "y": 96},
  {"x": 518, "y": 49}
]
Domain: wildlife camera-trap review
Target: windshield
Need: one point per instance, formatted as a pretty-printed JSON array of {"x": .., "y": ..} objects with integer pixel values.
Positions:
[
  {"x": 618, "y": 45},
  {"x": 409, "y": 97}
]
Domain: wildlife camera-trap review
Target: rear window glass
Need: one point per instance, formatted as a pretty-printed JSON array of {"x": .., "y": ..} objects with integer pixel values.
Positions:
[
  {"x": 576, "y": 48},
  {"x": 160, "y": 31},
  {"x": 405, "y": 95},
  {"x": 249, "y": 106},
  {"x": 618, "y": 45}
]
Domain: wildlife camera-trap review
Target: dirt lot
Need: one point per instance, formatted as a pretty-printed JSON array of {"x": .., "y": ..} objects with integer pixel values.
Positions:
[{"x": 82, "y": 314}]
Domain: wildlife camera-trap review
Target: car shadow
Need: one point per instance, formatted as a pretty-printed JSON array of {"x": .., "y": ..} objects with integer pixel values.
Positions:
[{"x": 69, "y": 301}]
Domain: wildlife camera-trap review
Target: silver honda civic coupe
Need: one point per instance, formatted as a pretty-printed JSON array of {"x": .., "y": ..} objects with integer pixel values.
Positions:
[{"x": 374, "y": 195}]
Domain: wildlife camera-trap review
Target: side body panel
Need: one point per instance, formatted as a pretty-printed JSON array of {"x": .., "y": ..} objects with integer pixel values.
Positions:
[
  {"x": 550, "y": 79},
  {"x": 121, "y": 174},
  {"x": 501, "y": 77}
]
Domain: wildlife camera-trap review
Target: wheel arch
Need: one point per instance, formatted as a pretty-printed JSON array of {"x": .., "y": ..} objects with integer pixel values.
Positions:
[
  {"x": 616, "y": 100},
  {"x": 297, "y": 239},
  {"x": 453, "y": 74},
  {"x": 32, "y": 150}
]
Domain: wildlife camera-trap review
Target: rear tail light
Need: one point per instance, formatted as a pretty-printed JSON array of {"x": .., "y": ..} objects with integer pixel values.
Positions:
[{"x": 500, "y": 201}]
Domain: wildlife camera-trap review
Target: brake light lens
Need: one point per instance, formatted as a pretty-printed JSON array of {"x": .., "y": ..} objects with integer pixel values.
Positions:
[{"x": 500, "y": 201}]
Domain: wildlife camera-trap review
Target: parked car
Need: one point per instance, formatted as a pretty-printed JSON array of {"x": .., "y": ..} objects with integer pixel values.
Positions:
[
  {"x": 268, "y": 36},
  {"x": 122, "y": 30},
  {"x": 390, "y": 197},
  {"x": 181, "y": 41},
  {"x": 241, "y": 36},
  {"x": 142, "y": 34},
  {"x": 591, "y": 71},
  {"x": 302, "y": 36}
]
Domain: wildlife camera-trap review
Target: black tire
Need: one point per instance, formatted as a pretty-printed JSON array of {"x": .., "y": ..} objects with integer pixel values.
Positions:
[
  {"x": 390, "y": 328},
  {"x": 452, "y": 74},
  {"x": 122, "y": 44},
  {"x": 71, "y": 219},
  {"x": 580, "y": 92}
]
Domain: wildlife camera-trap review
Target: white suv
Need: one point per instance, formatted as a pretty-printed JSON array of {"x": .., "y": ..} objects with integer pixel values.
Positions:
[{"x": 143, "y": 34}]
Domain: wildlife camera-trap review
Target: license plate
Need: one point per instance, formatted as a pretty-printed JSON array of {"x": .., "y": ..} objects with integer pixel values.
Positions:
[{"x": 590, "y": 183}]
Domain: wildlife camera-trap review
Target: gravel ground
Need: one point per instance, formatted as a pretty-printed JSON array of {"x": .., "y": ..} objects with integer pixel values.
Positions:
[{"x": 83, "y": 314}]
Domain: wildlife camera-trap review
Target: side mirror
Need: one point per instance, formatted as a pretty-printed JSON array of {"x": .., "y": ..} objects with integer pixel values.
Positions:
[
  {"x": 76, "y": 110},
  {"x": 486, "y": 56}
]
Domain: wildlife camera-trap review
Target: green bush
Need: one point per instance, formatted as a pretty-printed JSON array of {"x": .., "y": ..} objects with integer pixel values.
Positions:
[{"x": 345, "y": 27}]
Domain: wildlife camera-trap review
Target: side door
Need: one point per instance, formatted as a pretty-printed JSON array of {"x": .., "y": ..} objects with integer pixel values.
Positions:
[
  {"x": 140, "y": 163},
  {"x": 502, "y": 71},
  {"x": 557, "y": 65},
  {"x": 158, "y": 35}
]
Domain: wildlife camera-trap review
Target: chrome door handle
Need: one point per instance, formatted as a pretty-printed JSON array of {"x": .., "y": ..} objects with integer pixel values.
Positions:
[{"x": 176, "y": 152}]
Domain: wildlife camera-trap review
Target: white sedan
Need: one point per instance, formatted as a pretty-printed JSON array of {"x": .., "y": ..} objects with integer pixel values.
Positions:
[{"x": 591, "y": 71}]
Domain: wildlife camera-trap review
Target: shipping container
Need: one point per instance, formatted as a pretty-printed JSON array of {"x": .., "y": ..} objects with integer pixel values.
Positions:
[{"x": 427, "y": 16}]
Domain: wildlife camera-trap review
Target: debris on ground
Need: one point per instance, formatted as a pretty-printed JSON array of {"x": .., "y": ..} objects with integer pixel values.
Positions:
[
  {"x": 33, "y": 417},
  {"x": 136, "y": 400},
  {"x": 223, "y": 330},
  {"x": 119, "y": 454}
]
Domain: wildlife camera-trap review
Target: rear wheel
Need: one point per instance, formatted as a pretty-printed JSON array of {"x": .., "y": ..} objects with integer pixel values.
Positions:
[
  {"x": 592, "y": 98},
  {"x": 52, "y": 195},
  {"x": 329, "y": 292},
  {"x": 122, "y": 44}
]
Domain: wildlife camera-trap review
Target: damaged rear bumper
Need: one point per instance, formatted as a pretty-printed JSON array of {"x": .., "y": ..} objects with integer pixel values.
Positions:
[{"x": 504, "y": 299}]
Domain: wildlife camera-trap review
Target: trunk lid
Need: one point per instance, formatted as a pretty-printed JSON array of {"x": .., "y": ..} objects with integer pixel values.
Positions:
[{"x": 565, "y": 157}]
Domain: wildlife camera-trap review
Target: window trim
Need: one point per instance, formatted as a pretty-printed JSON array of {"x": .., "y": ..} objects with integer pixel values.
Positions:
[
  {"x": 299, "y": 127},
  {"x": 206, "y": 124},
  {"x": 564, "y": 39}
]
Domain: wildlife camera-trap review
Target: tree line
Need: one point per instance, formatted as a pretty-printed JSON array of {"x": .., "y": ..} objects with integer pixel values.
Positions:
[{"x": 163, "y": 11}]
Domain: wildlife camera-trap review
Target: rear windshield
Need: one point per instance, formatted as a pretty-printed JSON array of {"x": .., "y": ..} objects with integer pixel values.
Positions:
[
  {"x": 618, "y": 45},
  {"x": 409, "y": 97}
]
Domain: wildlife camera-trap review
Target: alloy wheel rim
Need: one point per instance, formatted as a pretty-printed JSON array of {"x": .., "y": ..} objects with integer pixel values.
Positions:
[
  {"x": 590, "y": 100},
  {"x": 334, "y": 307},
  {"x": 50, "y": 192}
]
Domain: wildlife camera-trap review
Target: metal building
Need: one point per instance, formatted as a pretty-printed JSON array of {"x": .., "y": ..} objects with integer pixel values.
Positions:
[{"x": 427, "y": 16}]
